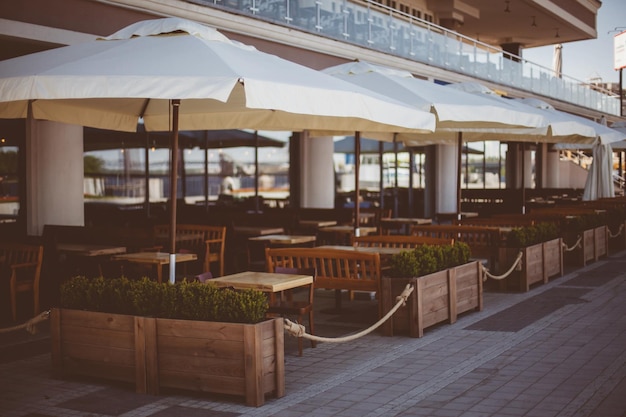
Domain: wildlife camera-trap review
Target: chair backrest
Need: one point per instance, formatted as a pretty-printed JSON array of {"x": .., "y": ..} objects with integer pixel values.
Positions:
[{"x": 204, "y": 277}]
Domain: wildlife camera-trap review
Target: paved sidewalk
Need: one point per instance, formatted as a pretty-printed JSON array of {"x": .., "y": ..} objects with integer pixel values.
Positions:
[{"x": 558, "y": 350}]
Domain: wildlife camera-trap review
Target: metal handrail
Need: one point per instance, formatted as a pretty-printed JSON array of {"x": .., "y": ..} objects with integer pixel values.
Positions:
[{"x": 375, "y": 26}]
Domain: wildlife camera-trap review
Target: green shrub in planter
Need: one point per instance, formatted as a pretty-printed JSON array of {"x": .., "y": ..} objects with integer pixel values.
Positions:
[
  {"x": 186, "y": 301},
  {"x": 426, "y": 259},
  {"x": 521, "y": 237}
]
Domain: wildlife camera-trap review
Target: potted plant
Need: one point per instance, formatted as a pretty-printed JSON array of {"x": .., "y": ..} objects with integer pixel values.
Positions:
[
  {"x": 191, "y": 336},
  {"x": 541, "y": 249},
  {"x": 445, "y": 283}
]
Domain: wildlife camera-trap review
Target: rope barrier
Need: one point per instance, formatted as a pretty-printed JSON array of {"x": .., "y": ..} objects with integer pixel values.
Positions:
[
  {"x": 578, "y": 242},
  {"x": 619, "y": 232},
  {"x": 298, "y": 330},
  {"x": 507, "y": 273},
  {"x": 29, "y": 325}
]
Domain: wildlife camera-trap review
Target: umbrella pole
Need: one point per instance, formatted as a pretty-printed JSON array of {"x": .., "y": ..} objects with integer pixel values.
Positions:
[
  {"x": 147, "y": 176},
  {"x": 523, "y": 178},
  {"x": 357, "y": 191},
  {"x": 206, "y": 170},
  {"x": 256, "y": 171},
  {"x": 381, "y": 176},
  {"x": 173, "y": 190},
  {"x": 411, "y": 169},
  {"x": 458, "y": 176}
]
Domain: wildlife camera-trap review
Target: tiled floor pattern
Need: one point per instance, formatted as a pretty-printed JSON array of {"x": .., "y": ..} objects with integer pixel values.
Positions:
[{"x": 558, "y": 350}]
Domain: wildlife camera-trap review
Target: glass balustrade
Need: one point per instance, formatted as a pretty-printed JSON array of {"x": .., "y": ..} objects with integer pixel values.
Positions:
[{"x": 372, "y": 25}]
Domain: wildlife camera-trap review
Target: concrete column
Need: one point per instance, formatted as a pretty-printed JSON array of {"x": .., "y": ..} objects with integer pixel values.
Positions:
[
  {"x": 317, "y": 183},
  {"x": 444, "y": 166},
  {"x": 54, "y": 175},
  {"x": 528, "y": 169},
  {"x": 552, "y": 169}
]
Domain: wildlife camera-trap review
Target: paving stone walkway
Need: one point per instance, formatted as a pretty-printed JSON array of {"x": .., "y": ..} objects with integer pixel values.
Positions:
[{"x": 557, "y": 351}]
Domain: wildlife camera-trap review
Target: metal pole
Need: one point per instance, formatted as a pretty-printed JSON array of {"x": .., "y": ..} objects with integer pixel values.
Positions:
[
  {"x": 458, "y": 176},
  {"x": 173, "y": 189},
  {"x": 256, "y": 171},
  {"x": 357, "y": 191}
]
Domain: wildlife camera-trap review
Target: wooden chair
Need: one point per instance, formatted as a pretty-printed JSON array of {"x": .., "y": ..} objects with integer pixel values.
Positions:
[
  {"x": 208, "y": 242},
  {"x": 297, "y": 307},
  {"x": 23, "y": 264}
]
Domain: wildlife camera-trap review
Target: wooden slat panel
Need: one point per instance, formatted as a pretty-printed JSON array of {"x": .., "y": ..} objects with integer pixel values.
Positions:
[
  {"x": 253, "y": 367},
  {"x": 55, "y": 336},
  {"x": 191, "y": 328},
  {"x": 436, "y": 289},
  {"x": 79, "y": 318},
  {"x": 467, "y": 304},
  {"x": 98, "y": 337},
  {"x": 435, "y": 317},
  {"x": 218, "y": 384},
  {"x": 98, "y": 353},
  {"x": 215, "y": 366},
  {"x": 207, "y": 348}
]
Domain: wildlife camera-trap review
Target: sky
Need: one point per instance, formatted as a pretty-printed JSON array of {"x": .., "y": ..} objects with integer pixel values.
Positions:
[{"x": 591, "y": 59}]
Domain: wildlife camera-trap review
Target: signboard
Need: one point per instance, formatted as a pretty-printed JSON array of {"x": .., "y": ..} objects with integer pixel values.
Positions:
[{"x": 619, "y": 51}]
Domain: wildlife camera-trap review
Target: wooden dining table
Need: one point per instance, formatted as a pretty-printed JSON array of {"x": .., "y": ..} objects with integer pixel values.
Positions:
[
  {"x": 89, "y": 250},
  {"x": 348, "y": 229},
  {"x": 158, "y": 259},
  {"x": 257, "y": 230},
  {"x": 284, "y": 239},
  {"x": 87, "y": 256},
  {"x": 269, "y": 282},
  {"x": 342, "y": 234},
  {"x": 402, "y": 224},
  {"x": 316, "y": 224}
]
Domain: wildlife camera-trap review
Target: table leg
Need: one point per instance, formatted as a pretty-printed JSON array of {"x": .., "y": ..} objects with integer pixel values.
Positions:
[{"x": 159, "y": 269}]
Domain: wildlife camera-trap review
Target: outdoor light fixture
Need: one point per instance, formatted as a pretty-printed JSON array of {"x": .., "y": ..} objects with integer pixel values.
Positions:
[
  {"x": 534, "y": 23},
  {"x": 506, "y": 9},
  {"x": 557, "y": 33}
]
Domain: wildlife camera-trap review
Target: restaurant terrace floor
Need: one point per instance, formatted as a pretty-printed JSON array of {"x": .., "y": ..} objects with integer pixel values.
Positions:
[{"x": 557, "y": 350}]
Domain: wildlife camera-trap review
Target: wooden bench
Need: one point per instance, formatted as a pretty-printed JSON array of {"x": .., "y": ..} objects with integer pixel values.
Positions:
[
  {"x": 336, "y": 269},
  {"x": 208, "y": 242},
  {"x": 23, "y": 264},
  {"x": 399, "y": 241},
  {"x": 483, "y": 241}
]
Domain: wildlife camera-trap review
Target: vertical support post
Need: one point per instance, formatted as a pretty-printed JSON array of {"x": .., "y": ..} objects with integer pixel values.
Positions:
[
  {"x": 357, "y": 191},
  {"x": 173, "y": 186}
]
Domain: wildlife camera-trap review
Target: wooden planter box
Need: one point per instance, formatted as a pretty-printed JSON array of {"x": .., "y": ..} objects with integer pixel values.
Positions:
[
  {"x": 539, "y": 263},
  {"x": 222, "y": 358},
  {"x": 617, "y": 237},
  {"x": 436, "y": 298},
  {"x": 594, "y": 244}
]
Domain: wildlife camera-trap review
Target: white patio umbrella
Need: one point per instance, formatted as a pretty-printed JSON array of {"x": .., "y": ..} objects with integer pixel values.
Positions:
[
  {"x": 458, "y": 113},
  {"x": 561, "y": 126},
  {"x": 455, "y": 110},
  {"x": 175, "y": 73},
  {"x": 599, "y": 183},
  {"x": 557, "y": 60}
]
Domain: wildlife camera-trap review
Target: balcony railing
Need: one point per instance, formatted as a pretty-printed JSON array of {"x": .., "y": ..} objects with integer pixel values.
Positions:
[{"x": 375, "y": 26}]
